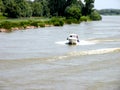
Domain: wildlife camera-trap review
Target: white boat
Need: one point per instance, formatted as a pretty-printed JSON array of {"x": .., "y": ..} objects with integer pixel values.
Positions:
[{"x": 73, "y": 39}]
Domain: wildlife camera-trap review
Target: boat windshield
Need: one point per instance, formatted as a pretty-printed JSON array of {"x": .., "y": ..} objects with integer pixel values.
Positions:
[{"x": 75, "y": 36}]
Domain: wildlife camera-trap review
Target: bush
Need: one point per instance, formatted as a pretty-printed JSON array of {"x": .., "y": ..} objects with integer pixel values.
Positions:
[
  {"x": 73, "y": 11},
  {"x": 70, "y": 21},
  {"x": 34, "y": 23},
  {"x": 61, "y": 23},
  {"x": 24, "y": 24},
  {"x": 15, "y": 24},
  {"x": 56, "y": 24},
  {"x": 95, "y": 16},
  {"x": 6, "y": 25},
  {"x": 53, "y": 20},
  {"x": 42, "y": 24},
  {"x": 85, "y": 18},
  {"x": 57, "y": 21},
  {"x": 48, "y": 22}
]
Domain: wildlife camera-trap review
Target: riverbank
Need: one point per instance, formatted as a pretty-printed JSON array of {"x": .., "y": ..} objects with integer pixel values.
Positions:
[{"x": 10, "y": 25}]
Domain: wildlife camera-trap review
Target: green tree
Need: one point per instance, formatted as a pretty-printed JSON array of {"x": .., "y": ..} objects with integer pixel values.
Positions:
[
  {"x": 42, "y": 8},
  {"x": 37, "y": 9},
  {"x": 24, "y": 8},
  {"x": 70, "y": 2},
  {"x": 17, "y": 8},
  {"x": 88, "y": 7},
  {"x": 75, "y": 2},
  {"x": 95, "y": 15},
  {"x": 1, "y": 6},
  {"x": 46, "y": 10},
  {"x": 10, "y": 9},
  {"x": 73, "y": 12},
  {"x": 57, "y": 7}
]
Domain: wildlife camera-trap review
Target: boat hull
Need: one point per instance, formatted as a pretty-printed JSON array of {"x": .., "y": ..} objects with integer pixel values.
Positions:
[{"x": 72, "y": 41}]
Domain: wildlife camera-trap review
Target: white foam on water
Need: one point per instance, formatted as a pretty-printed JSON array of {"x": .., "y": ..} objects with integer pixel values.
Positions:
[
  {"x": 82, "y": 42},
  {"x": 62, "y": 42}
]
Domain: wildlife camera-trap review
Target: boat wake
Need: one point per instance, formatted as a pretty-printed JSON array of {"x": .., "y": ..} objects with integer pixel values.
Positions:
[
  {"x": 73, "y": 55},
  {"x": 95, "y": 52},
  {"x": 83, "y": 53},
  {"x": 102, "y": 40}
]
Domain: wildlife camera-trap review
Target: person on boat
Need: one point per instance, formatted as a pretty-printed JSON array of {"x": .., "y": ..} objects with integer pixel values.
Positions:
[{"x": 77, "y": 38}]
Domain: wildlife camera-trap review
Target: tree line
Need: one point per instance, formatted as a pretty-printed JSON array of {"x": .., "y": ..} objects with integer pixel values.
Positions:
[
  {"x": 109, "y": 11},
  {"x": 48, "y": 8}
]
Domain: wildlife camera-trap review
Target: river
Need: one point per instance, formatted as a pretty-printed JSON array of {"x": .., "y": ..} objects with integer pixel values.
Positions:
[{"x": 40, "y": 59}]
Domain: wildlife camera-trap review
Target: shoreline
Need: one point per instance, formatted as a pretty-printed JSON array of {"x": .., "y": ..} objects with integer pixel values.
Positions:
[
  {"x": 22, "y": 24},
  {"x": 9, "y": 26},
  {"x": 13, "y": 25},
  {"x": 22, "y": 28}
]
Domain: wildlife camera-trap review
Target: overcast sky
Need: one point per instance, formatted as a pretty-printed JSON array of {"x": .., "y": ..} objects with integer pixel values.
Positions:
[
  {"x": 100, "y": 4},
  {"x": 107, "y": 4}
]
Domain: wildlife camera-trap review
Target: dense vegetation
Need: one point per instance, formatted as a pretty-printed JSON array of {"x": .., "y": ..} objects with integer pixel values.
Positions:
[
  {"x": 68, "y": 11},
  {"x": 109, "y": 11},
  {"x": 48, "y": 8}
]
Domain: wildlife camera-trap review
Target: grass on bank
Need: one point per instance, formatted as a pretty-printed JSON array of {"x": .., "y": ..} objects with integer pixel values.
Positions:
[{"x": 23, "y": 23}]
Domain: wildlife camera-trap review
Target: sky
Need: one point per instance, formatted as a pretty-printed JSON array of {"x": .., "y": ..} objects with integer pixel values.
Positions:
[{"x": 107, "y": 4}]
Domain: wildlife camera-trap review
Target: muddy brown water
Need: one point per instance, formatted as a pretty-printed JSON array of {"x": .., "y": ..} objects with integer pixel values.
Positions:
[{"x": 40, "y": 59}]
